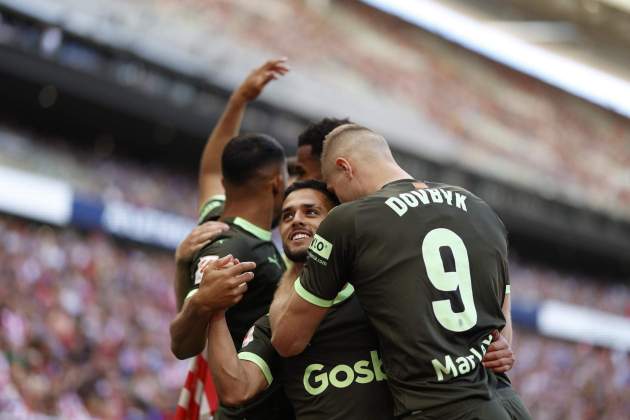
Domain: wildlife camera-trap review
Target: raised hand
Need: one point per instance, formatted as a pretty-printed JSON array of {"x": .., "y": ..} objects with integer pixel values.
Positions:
[{"x": 254, "y": 84}]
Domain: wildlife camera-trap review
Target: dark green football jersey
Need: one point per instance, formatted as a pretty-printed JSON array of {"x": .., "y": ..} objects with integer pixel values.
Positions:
[
  {"x": 247, "y": 242},
  {"x": 429, "y": 267},
  {"x": 339, "y": 375}
]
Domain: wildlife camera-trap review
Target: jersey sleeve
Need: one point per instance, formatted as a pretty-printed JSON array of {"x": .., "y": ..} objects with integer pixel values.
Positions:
[
  {"x": 330, "y": 259},
  {"x": 257, "y": 349},
  {"x": 211, "y": 209},
  {"x": 220, "y": 247}
]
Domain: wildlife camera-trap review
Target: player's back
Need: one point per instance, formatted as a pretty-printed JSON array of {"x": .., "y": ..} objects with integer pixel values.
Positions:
[{"x": 430, "y": 269}]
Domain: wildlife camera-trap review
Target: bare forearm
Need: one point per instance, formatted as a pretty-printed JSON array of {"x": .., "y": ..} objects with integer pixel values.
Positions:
[
  {"x": 283, "y": 292},
  {"x": 188, "y": 331},
  {"x": 280, "y": 300},
  {"x": 507, "y": 313},
  {"x": 507, "y": 331},
  {"x": 234, "y": 384},
  {"x": 227, "y": 127}
]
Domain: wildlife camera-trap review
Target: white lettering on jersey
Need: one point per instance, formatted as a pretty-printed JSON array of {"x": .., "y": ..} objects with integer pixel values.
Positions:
[{"x": 401, "y": 204}]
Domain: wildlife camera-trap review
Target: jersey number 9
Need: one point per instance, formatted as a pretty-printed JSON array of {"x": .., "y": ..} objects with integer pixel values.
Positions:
[{"x": 449, "y": 281}]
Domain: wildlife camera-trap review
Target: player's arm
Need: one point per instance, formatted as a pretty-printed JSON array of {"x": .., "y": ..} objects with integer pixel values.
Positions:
[
  {"x": 237, "y": 379},
  {"x": 284, "y": 290},
  {"x": 507, "y": 313},
  {"x": 196, "y": 239},
  {"x": 500, "y": 357},
  {"x": 294, "y": 324},
  {"x": 299, "y": 310},
  {"x": 220, "y": 288},
  {"x": 229, "y": 125}
]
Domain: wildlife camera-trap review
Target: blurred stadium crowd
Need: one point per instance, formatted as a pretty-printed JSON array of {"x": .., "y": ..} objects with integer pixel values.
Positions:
[
  {"x": 84, "y": 347},
  {"x": 92, "y": 173},
  {"x": 500, "y": 121},
  {"x": 81, "y": 347}
]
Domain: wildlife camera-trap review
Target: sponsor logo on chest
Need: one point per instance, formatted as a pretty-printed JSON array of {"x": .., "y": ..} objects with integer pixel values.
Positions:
[{"x": 317, "y": 378}]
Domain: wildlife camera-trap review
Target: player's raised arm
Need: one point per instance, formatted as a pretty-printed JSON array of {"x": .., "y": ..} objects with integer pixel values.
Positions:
[{"x": 229, "y": 125}]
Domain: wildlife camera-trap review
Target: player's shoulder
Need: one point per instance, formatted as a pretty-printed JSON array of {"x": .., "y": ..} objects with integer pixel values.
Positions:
[
  {"x": 231, "y": 241},
  {"x": 451, "y": 188},
  {"x": 211, "y": 209},
  {"x": 343, "y": 213},
  {"x": 473, "y": 200}
]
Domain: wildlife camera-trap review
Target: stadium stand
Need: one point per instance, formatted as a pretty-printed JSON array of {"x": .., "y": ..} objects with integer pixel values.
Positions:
[
  {"x": 535, "y": 282},
  {"x": 502, "y": 122},
  {"x": 560, "y": 380},
  {"x": 73, "y": 340},
  {"x": 93, "y": 172}
]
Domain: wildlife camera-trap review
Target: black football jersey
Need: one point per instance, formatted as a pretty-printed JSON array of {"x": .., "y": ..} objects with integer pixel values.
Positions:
[
  {"x": 339, "y": 376},
  {"x": 429, "y": 267},
  {"x": 247, "y": 242}
]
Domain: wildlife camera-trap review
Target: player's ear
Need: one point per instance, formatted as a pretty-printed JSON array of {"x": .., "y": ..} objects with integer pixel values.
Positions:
[
  {"x": 344, "y": 166},
  {"x": 277, "y": 184}
]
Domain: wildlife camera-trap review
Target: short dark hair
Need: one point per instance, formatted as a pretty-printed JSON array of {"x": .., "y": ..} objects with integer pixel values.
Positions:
[
  {"x": 313, "y": 184},
  {"x": 244, "y": 155},
  {"x": 316, "y": 133}
]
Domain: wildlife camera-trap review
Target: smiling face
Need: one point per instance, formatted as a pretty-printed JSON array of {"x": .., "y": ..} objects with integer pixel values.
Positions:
[{"x": 302, "y": 212}]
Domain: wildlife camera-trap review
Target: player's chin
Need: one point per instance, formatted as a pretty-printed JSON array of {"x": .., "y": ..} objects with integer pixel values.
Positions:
[{"x": 297, "y": 254}]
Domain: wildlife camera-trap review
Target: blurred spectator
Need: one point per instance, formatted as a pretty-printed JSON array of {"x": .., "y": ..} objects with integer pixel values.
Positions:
[
  {"x": 560, "y": 380},
  {"x": 96, "y": 173},
  {"x": 504, "y": 122},
  {"x": 535, "y": 283},
  {"x": 84, "y": 325}
]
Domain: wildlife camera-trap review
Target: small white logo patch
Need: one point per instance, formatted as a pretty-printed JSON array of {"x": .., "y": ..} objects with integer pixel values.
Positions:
[
  {"x": 321, "y": 247},
  {"x": 249, "y": 337},
  {"x": 201, "y": 266}
]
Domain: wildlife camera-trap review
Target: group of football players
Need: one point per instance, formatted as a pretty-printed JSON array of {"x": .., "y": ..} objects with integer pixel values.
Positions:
[{"x": 392, "y": 305}]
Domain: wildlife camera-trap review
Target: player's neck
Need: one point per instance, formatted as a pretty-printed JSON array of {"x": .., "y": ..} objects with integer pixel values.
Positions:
[
  {"x": 254, "y": 209},
  {"x": 388, "y": 173},
  {"x": 296, "y": 269}
]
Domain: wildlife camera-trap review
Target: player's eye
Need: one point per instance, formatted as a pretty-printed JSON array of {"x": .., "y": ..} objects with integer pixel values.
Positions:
[
  {"x": 312, "y": 212},
  {"x": 286, "y": 217}
]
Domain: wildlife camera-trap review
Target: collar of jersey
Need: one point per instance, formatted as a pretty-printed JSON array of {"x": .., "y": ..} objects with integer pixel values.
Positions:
[
  {"x": 258, "y": 232},
  {"x": 399, "y": 181}
]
